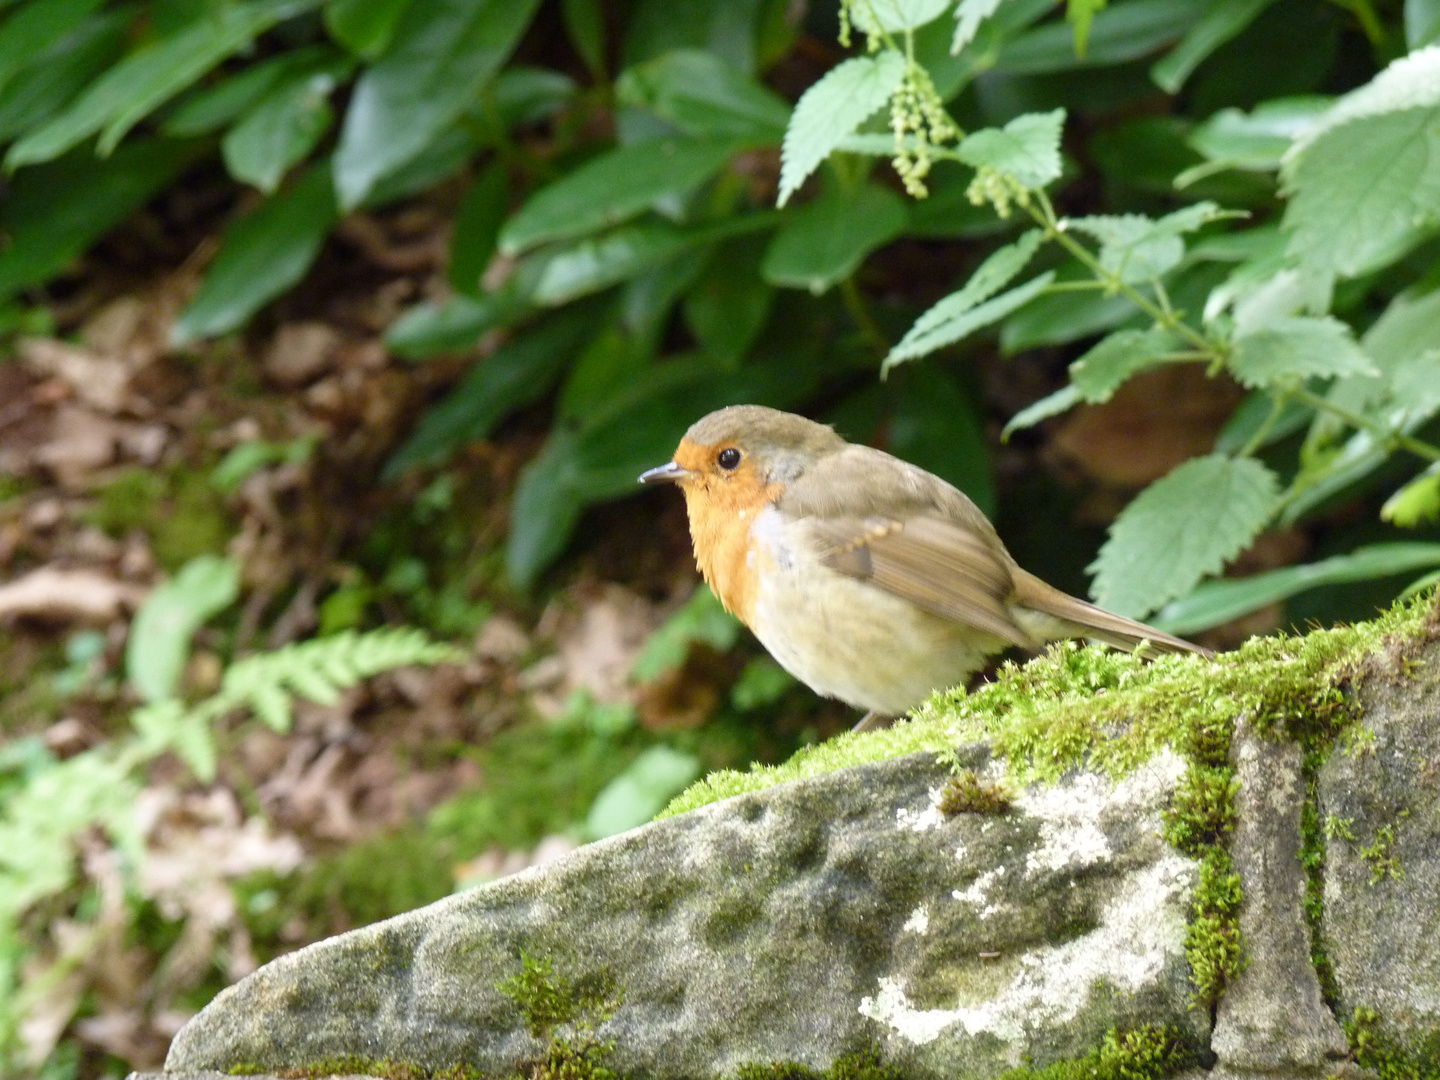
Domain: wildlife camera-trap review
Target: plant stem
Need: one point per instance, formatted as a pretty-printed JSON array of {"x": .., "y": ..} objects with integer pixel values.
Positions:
[
  {"x": 1388, "y": 436},
  {"x": 864, "y": 320}
]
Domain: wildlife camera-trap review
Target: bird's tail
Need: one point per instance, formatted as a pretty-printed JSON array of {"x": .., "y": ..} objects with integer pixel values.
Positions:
[{"x": 1076, "y": 618}]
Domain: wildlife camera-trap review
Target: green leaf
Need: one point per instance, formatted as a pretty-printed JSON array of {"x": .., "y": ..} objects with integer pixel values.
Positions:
[
  {"x": 592, "y": 265},
  {"x": 1368, "y": 171},
  {"x": 613, "y": 188},
  {"x": 279, "y": 131},
  {"x": 477, "y": 228},
  {"x": 365, "y": 27},
  {"x": 705, "y": 98},
  {"x": 166, "y": 725},
  {"x": 1051, "y": 405},
  {"x": 727, "y": 308},
  {"x": 832, "y": 109},
  {"x": 728, "y": 30},
  {"x": 51, "y": 78},
  {"x": 641, "y": 791},
  {"x": 896, "y": 16},
  {"x": 1256, "y": 140},
  {"x": 700, "y": 620},
  {"x": 160, "y": 635},
  {"x": 1137, "y": 248},
  {"x": 934, "y": 423},
  {"x": 442, "y": 55},
  {"x": 965, "y": 323},
  {"x": 1217, "y": 602},
  {"x": 54, "y": 212},
  {"x": 1416, "y": 502},
  {"x": 969, "y": 15},
  {"x": 128, "y": 92},
  {"x": 1295, "y": 349},
  {"x": 429, "y": 329},
  {"x": 585, "y": 25},
  {"x": 1181, "y": 528},
  {"x": 527, "y": 95},
  {"x": 993, "y": 274},
  {"x": 823, "y": 242},
  {"x": 215, "y": 107},
  {"x": 1422, "y": 23},
  {"x": 1124, "y": 31},
  {"x": 521, "y": 371},
  {"x": 1027, "y": 148},
  {"x": 1104, "y": 368},
  {"x": 36, "y": 27},
  {"x": 1222, "y": 20},
  {"x": 1081, "y": 15},
  {"x": 262, "y": 255}
]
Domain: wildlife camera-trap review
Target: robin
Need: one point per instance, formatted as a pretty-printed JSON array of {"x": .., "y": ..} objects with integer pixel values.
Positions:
[{"x": 867, "y": 578}]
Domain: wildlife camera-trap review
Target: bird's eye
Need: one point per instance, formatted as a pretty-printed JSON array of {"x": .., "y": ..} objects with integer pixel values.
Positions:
[{"x": 729, "y": 458}]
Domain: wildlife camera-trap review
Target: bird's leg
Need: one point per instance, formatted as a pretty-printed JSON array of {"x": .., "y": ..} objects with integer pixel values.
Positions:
[{"x": 872, "y": 721}]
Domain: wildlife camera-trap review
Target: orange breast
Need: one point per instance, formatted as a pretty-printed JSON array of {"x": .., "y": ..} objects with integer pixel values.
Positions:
[{"x": 721, "y": 513}]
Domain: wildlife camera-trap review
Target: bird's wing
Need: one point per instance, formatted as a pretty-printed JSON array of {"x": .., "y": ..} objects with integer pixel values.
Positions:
[{"x": 939, "y": 565}]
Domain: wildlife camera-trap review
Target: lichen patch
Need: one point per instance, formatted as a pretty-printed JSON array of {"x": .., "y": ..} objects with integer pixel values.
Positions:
[{"x": 1141, "y": 931}]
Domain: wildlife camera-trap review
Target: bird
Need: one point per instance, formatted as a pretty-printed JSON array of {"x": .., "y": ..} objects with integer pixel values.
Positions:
[{"x": 867, "y": 578}]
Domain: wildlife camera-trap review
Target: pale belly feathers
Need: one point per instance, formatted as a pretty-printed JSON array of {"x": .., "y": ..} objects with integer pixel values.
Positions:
[{"x": 847, "y": 639}]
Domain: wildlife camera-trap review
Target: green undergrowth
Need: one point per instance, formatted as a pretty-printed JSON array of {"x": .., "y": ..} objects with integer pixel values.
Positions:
[
  {"x": 1387, "y": 1057},
  {"x": 1090, "y": 706},
  {"x": 1146, "y": 1052}
]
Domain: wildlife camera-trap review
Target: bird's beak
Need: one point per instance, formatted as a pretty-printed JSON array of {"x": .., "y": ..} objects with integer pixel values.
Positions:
[{"x": 667, "y": 473}]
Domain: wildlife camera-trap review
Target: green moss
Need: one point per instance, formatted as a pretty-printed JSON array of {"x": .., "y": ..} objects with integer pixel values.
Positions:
[
  {"x": 861, "y": 1065},
  {"x": 1313, "y": 833},
  {"x": 1388, "y": 1057},
  {"x": 180, "y": 511},
  {"x": 967, "y": 792},
  {"x": 1380, "y": 856},
  {"x": 1089, "y": 705},
  {"x": 358, "y": 1065},
  {"x": 549, "y": 1003},
  {"x": 1142, "y": 1053},
  {"x": 1213, "y": 945}
]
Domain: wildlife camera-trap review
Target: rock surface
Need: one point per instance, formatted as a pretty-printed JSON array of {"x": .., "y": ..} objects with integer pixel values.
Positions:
[
  {"x": 1377, "y": 798},
  {"x": 798, "y": 923}
]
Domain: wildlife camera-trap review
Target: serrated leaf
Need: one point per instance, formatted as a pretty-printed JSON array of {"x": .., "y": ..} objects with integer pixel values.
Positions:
[
  {"x": 823, "y": 243},
  {"x": 262, "y": 255},
  {"x": 1181, "y": 528},
  {"x": 1296, "y": 349},
  {"x": 1368, "y": 171},
  {"x": 442, "y": 55},
  {"x": 1027, "y": 148},
  {"x": 1051, "y": 405},
  {"x": 272, "y": 706},
  {"x": 833, "y": 108},
  {"x": 1137, "y": 248},
  {"x": 997, "y": 271},
  {"x": 1104, "y": 368},
  {"x": 1217, "y": 602},
  {"x": 963, "y": 324},
  {"x": 613, "y": 188},
  {"x": 969, "y": 14},
  {"x": 160, "y": 635},
  {"x": 1256, "y": 141},
  {"x": 705, "y": 97},
  {"x": 1416, "y": 502},
  {"x": 1222, "y": 20},
  {"x": 877, "y": 17}
]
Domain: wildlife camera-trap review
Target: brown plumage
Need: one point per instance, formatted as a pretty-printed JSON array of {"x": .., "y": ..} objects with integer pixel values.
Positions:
[{"x": 868, "y": 578}]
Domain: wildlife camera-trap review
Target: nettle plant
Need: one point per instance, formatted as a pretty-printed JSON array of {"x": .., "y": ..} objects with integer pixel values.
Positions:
[{"x": 1361, "y": 185}]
